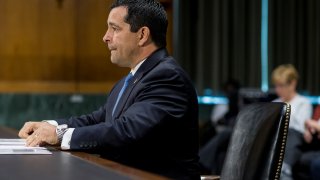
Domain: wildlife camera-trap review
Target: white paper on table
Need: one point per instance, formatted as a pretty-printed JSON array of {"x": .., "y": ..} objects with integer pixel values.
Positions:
[
  {"x": 17, "y": 146},
  {"x": 14, "y": 142}
]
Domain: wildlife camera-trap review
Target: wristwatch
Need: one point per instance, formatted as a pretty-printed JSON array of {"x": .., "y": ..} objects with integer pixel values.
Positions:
[{"x": 60, "y": 130}]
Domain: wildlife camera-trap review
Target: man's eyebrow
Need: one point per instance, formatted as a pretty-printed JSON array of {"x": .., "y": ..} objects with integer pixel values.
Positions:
[{"x": 112, "y": 24}]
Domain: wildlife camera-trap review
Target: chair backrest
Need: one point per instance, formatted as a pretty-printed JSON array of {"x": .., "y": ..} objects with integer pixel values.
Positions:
[{"x": 258, "y": 142}]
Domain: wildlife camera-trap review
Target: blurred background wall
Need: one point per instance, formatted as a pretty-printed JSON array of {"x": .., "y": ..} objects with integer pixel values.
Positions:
[{"x": 56, "y": 46}]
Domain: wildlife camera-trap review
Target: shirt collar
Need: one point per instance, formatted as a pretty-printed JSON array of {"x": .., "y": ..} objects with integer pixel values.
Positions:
[{"x": 135, "y": 69}]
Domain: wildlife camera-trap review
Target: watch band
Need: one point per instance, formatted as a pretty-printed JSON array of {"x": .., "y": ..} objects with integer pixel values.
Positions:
[{"x": 61, "y": 130}]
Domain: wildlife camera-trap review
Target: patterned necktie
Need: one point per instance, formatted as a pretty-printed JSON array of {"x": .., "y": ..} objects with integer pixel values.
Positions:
[{"x": 125, "y": 85}]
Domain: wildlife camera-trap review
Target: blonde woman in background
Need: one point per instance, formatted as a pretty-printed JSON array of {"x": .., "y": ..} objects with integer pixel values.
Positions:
[{"x": 285, "y": 80}]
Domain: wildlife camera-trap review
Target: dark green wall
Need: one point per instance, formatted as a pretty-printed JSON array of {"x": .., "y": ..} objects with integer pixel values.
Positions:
[{"x": 15, "y": 109}]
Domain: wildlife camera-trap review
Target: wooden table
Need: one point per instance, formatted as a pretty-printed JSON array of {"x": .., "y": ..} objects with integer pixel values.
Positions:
[{"x": 64, "y": 165}]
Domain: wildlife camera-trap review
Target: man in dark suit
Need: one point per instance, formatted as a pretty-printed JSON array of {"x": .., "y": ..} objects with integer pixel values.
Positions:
[{"x": 150, "y": 118}]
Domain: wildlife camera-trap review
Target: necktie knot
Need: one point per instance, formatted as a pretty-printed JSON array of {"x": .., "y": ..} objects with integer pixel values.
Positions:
[{"x": 128, "y": 78}]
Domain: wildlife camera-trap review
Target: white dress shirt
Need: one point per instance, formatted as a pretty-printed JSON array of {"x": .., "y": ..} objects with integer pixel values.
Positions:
[
  {"x": 301, "y": 110},
  {"x": 66, "y": 139}
]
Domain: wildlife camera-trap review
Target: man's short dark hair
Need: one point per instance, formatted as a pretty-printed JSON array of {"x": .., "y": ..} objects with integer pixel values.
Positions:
[{"x": 149, "y": 13}]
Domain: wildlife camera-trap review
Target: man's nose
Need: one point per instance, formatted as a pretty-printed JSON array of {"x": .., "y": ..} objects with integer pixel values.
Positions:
[{"x": 106, "y": 37}]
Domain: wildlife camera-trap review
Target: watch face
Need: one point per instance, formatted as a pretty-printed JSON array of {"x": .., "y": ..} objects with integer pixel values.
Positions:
[{"x": 63, "y": 126}]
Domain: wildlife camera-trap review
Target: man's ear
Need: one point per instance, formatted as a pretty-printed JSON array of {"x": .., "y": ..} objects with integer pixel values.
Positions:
[{"x": 144, "y": 36}]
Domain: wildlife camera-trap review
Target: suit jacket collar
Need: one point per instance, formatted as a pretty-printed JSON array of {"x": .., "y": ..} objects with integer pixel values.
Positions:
[{"x": 149, "y": 63}]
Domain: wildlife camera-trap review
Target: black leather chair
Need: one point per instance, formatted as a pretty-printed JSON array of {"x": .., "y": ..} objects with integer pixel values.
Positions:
[{"x": 257, "y": 145}]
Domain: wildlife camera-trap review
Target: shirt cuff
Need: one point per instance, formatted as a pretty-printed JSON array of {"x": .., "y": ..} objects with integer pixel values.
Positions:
[
  {"x": 66, "y": 139},
  {"x": 52, "y": 122}
]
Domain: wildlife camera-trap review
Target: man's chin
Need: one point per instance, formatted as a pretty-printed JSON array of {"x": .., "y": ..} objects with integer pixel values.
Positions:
[{"x": 116, "y": 62}]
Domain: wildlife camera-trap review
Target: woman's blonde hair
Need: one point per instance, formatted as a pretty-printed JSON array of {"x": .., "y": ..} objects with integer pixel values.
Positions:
[{"x": 285, "y": 74}]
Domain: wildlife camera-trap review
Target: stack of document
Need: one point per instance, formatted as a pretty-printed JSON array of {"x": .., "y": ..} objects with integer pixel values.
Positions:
[{"x": 18, "y": 146}]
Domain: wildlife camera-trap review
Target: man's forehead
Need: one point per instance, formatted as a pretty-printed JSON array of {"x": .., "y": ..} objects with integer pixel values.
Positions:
[{"x": 117, "y": 14}]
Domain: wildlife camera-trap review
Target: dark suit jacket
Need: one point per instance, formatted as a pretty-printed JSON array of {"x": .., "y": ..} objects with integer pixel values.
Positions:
[{"x": 155, "y": 125}]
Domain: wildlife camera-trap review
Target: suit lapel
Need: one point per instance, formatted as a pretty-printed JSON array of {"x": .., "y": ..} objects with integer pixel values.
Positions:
[{"x": 149, "y": 63}]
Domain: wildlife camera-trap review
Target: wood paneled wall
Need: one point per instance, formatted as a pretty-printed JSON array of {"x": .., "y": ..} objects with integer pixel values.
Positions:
[{"x": 56, "y": 46}]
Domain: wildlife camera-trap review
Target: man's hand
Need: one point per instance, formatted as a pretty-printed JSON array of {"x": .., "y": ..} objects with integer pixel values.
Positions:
[
  {"x": 28, "y": 128},
  {"x": 45, "y": 134},
  {"x": 39, "y": 133}
]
